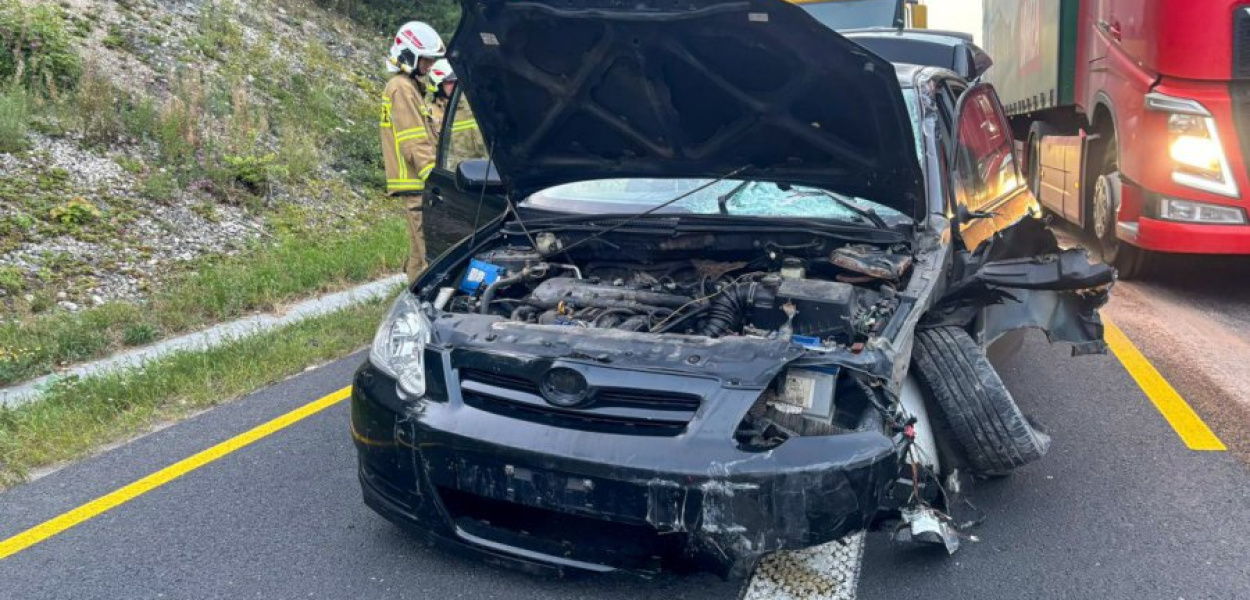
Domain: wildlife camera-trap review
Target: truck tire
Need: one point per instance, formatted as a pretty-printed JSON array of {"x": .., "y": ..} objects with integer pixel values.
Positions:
[
  {"x": 1130, "y": 261},
  {"x": 1033, "y": 158},
  {"x": 974, "y": 406}
]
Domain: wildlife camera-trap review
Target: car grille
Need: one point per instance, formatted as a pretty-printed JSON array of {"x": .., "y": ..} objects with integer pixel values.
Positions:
[
  {"x": 1241, "y": 43},
  {"x": 610, "y": 410}
]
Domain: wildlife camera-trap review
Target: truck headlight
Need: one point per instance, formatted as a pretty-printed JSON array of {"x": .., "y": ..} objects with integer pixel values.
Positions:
[
  {"x": 399, "y": 346},
  {"x": 1175, "y": 209},
  {"x": 1198, "y": 158}
]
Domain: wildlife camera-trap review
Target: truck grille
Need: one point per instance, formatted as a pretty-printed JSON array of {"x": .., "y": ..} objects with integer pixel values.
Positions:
[
  {"x": 1241, "y": 43},
  {"x": 610, "y": 410}
]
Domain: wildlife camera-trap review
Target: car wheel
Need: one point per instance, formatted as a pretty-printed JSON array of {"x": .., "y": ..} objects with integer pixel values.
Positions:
[{"x": 976, "y": 409}]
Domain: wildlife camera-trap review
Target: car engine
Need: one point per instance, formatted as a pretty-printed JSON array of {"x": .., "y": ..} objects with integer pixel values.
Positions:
[{"x": 839, "y": 299}]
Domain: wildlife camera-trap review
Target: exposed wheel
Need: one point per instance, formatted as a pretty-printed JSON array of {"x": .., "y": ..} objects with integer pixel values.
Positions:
[
  {"x": 1129, "y": 260},
  {"x": 1033, "y": 158},
  {"x": 974, "y": 406}
]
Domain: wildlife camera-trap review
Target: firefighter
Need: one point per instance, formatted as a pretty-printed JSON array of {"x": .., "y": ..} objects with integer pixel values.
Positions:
[
  {"x": 466, "y": 141},
  {"x": 410, "y": 129}
]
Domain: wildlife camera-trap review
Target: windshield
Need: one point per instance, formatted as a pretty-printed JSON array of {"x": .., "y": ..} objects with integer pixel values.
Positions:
[
  {"x": 741, "y": 198},
  {"x": 854, "y": 14}
]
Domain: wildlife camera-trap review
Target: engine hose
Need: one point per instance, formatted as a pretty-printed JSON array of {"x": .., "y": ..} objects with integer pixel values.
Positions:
[
  {"x": 602, "y": 317},
  {"x": 727, "y": 310},
  {"x": 527, "y": 273},
  {"x": 670, "y": 325}
]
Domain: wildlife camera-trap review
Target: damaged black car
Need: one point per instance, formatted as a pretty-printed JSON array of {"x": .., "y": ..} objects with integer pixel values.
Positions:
[{"x": 739, "y": 299}]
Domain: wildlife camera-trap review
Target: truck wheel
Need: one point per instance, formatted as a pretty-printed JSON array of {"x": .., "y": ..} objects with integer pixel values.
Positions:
[
  {"x": 974, "y": 405},
  {"x": 1129, "y": 260},
  {"x": 1033, "y": 158}
]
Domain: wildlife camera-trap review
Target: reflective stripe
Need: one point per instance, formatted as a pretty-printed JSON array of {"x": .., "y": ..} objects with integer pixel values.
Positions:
[
  {"x": 404, "y": 185},
  {"x": 416, "y": 133},
  {"x": 425, "y": 172}
]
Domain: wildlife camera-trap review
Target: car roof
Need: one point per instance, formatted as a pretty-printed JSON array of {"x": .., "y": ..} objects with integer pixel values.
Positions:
[{"x": 949, "y": 49}]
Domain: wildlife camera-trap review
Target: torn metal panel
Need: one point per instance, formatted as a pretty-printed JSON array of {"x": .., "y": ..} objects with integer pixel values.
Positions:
[{"x": 1021, "y": 278}]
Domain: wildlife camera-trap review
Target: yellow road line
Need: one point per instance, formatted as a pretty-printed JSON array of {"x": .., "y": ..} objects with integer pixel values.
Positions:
[
  {"x": 109, "y": 501},
  {"x": 1178, "y": 413}
]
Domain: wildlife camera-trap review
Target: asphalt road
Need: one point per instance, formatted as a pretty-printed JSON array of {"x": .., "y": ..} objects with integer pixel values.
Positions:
[{"x": 1118, "y": 509}]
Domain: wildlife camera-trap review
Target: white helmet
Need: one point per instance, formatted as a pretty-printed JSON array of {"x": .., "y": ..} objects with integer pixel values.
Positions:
[
  {"x": 441, "y": 71},
  {"x": 414, "y": 40}
]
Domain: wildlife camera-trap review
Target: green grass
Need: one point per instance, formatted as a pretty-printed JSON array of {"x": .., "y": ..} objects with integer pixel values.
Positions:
[
  {"x": 260, "y": 280},
  {"x": 14, "y": 120},
  {"x": 77, "y": 416}
]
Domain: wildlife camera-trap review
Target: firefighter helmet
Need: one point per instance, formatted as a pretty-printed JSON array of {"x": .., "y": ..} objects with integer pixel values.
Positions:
[
  {"x": 441, "y": 71},
  {"x": 414, "y": 40}
]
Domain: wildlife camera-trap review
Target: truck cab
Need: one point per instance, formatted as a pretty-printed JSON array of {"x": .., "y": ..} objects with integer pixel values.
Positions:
[{"x": 1133, "y": 117}]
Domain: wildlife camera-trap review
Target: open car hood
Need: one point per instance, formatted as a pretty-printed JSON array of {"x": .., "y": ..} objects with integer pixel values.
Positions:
[{"x": 574, "y": 90}]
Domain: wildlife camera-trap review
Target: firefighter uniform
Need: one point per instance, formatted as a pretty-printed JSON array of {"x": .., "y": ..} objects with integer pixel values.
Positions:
[{"x": 410, "y": 127}]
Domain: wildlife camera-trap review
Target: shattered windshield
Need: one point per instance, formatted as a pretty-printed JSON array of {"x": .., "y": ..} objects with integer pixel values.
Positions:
[{"x": 739, "y": 198}]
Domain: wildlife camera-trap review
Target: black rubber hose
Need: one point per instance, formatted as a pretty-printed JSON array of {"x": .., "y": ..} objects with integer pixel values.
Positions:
[
  {"x": 727, "y": 310},
  {"x": 489, "y": 294}
]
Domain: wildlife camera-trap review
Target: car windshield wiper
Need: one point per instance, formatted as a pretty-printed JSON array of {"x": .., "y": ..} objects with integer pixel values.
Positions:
[
  {"x": 655, "y": 208},
  {"x": 722, "y": 201},
  {"x": 867, "y": 213}
]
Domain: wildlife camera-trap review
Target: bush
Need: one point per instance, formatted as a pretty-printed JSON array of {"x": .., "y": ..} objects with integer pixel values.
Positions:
[
  {"x": 78, "y": 211},
  {"x": 36, "y": 48},
  {"x": 160, "y": 186},
  {"x": 255, "y": 171},
  {"x": 14, "y": 115},
  {"x": 11, "y": 280}
]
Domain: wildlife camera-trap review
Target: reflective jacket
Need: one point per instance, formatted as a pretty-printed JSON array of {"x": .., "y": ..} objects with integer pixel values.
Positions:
[{"x": 409, "y": 135}]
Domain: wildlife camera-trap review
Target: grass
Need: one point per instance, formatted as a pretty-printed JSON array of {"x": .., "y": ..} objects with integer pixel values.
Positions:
[
  {"x": 76, "y": 416},
  {"x": 14, "y": 117},
  {"x": 259, "y": 280}
]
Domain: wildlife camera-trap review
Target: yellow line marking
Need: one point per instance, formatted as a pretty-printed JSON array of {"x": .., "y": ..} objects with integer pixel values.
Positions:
[
  {"x": 1178, "y": 413},
  {"x": 112, "y": 500}
]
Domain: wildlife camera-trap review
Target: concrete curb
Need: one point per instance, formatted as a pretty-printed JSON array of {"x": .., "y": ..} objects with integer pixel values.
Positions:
[{"x": 12, "y": 397}]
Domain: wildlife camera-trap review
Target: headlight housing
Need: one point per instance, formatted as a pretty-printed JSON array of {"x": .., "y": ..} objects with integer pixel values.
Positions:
[
  {"x": 399, "y": 346},
  {"x": 1198, "y": 158}
]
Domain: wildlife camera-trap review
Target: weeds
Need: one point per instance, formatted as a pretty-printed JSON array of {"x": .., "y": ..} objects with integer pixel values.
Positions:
[
  {"x": 14, "y": 116},
  {"x": 11, "y": 280},
  {"x": 75, "y": 213},
  {"x": 36, "y": 48}
]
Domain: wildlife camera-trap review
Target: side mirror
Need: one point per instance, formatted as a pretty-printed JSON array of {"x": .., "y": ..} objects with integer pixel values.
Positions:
[{"x": 478, "y": 176}]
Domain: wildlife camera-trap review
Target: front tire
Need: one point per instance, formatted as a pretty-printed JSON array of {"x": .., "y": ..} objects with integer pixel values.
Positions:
[
  {"x": 976, "y": 409},
  {"x": 1129, "y": 260}
]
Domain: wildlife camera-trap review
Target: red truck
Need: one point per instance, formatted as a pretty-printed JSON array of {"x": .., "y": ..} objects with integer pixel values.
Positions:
[{"x": 1134, "y": 117}]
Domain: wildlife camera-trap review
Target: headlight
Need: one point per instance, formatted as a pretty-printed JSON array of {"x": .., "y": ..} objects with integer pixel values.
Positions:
[
  {"x": 1174, "y": 209},
  {"x": 399, "y": 346},
  {"x": 1198, "y": 159}
]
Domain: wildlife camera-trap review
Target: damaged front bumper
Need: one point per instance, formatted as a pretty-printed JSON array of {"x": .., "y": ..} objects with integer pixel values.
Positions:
[{"x": 553, "y": 499}]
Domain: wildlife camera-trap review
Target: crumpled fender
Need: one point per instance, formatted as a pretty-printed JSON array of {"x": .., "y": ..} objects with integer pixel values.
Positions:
[{"x": 1021, "y": 278}]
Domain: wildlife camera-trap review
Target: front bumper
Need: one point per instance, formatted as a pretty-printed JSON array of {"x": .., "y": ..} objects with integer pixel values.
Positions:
[
  {"x": 1186, "y": 238},
  {"x": 551, "y": 499}
]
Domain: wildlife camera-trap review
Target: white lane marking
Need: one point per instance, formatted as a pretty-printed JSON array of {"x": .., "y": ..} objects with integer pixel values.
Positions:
[{"x": 826, "y": 572}]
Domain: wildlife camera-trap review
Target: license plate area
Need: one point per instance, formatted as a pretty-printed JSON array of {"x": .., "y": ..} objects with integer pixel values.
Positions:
[{"x": 511, "y": 482}]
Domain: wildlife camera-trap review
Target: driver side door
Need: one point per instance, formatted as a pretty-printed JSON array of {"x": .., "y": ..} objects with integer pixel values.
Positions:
[{"x": 463, "y": 191}]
